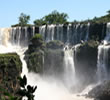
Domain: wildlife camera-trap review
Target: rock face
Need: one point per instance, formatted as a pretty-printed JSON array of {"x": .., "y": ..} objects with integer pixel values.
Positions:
[
  {"x": 35, "y": 54},
  {"x": 55, "y": 45},
  {"x": 10, "y": 70},
  {"x": 101, "y": 92},
  {"x": 86, "y": 61},
  {"x": 53, "y": 59}
]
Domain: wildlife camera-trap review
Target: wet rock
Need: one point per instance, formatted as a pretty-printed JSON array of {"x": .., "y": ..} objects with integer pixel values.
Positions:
[
  {"x": 101, "y": 92},
  {"x": 86, "y": 61}
]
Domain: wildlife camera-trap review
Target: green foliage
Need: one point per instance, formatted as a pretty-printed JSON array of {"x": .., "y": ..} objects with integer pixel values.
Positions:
[
  {"x": 35, "y": 62},
  {"x": 23, "y": 81},
  {"x": 102, "y": 19},
  {"x": 23, "y": 19},
  {"x": 37, "y": 37},
  {"x": 10, "y": 59},
  {"x": 17, "y": 25},
  {"x": 39, "y": 22},
  {"x": 53, "y": 18},
  {"x": 108, "y": 12},
  {"x": 26, "y": 91}
]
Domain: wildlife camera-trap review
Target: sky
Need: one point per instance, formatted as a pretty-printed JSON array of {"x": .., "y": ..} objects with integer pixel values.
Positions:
[{"x": 76, "y": 9}]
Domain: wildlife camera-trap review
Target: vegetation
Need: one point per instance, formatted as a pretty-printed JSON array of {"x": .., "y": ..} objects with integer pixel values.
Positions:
[
  {"x": 23, "y": 20},
  {"x": 35, "y": 53},
  {"x": 10, "y": 59},
  {"x": 53, "y": 18},
  {"x": 103, "y": 19},
  {"x": 25, "y": 91},
  {"x": 10, "y": 69},
  {"x": 56, "y": 17},
  {"x": 37, "y": 36},
  {"x": 37, "y": 42}
]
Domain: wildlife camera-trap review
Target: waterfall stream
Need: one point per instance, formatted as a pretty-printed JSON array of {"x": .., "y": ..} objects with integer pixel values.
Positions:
[
  {"x": 66, "y": 33},
  {"x": 69, "y": 68},
  {"x": 103, "y": 57}
]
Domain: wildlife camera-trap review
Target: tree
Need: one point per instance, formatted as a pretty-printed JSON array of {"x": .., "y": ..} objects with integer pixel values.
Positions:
[
  {"x": 53, "y": 18},
  {"x": 39, "y": 22},
  {"x": 108, "y": 11},
  {"x": 23, "y": 19}
]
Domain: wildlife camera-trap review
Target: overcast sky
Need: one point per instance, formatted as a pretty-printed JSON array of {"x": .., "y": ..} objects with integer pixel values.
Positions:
[{"x": 76, "y": 9}]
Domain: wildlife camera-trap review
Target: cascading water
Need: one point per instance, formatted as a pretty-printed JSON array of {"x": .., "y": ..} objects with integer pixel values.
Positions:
[
  {"x": 69, "y": 69},
  {"x": 56, "y": 90},
  {"x": 87, "y": 33},
  {"x": 102, "y": 62},
  {"x": 103, "y": 58},
  {"x": 21, "y": 36},
  {"x": 71, "y": 33},
  {"x": 49, "y": 35}
]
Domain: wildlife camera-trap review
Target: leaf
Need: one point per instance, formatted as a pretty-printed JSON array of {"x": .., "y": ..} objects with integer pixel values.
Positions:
[
  {"x": 25, "y": 80},
  {"x": 34, "y": 89},
  {"x": 22, "y": 92},
  {"x": 31, "y": 89}
]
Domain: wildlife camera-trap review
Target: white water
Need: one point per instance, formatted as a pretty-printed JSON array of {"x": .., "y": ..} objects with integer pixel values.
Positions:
[
  {"x": 69, "y": 68},
  {"x": 48, "y": 89},
  {"x": 65, "y": 33},
  {"x": 102, "y": 62}
]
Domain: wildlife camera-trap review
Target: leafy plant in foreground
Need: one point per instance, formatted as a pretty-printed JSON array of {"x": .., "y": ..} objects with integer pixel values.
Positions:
[{"x": 25, "y": 91}]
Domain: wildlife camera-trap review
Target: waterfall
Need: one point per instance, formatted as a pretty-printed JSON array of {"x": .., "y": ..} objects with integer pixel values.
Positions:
[
  {"x": 107, "y": 37},
  {"x": 47, "y": 32},
  {"x": 59, "y": 32},
  {"x": 42, "y": 30},
  {"x": 71, "y": 33},
  {"x": 21, "y": 35},
  {"x": 102, "y": 62},
  {"x": 103, "y": 58},
  {"x": 87, "y": 33},
  {"x": 69, "y": 68},
  {"x": 4, "y": 34}
]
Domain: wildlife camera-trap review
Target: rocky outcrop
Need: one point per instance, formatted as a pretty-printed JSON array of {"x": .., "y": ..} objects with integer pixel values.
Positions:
[
  {"x": 86, "y": 61},
  {"x": 53, "y": 59},
  {"x": 44, "y": 57},
  {"x": 101, "y": 92},
  {"x": 55, "y": 45},
  {"x": 35, "y": 54},
  {"x": 10, "y": 70}
]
